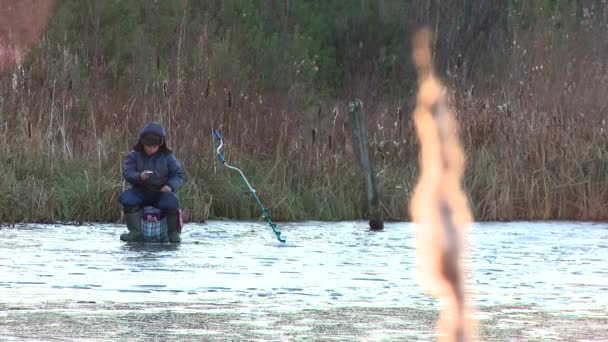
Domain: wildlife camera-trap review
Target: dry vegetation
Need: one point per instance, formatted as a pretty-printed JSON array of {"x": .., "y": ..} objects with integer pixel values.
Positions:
[{"x": 533, "y": 125}]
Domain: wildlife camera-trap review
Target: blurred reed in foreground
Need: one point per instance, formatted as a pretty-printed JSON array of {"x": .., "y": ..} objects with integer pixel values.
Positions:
[{"x": 439, "y": 205}]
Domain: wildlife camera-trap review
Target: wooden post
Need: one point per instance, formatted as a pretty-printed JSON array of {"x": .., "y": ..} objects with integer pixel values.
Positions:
[{"x": 361, "y": 146}]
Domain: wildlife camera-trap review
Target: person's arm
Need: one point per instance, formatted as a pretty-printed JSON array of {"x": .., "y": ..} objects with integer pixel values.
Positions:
[
  {"x": 176, "y": 173},
  {"x": 129, "y": 171}
]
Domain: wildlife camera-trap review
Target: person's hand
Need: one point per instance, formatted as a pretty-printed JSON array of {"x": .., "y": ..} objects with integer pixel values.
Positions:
[
  {"x": 165, "y": 188},
  {"x": 145, "y": 175}
]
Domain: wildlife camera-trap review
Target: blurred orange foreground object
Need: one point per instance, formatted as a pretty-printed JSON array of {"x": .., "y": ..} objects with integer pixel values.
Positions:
[
  {"x": 21, "y": 24},
  {"x": 439, "y": 206}
]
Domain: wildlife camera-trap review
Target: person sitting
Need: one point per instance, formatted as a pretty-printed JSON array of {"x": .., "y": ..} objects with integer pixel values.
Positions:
[{"x": 155, "y": 175}]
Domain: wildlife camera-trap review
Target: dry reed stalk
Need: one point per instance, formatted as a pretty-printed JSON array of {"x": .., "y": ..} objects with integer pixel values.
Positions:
[{"x": 439, "y": 206}]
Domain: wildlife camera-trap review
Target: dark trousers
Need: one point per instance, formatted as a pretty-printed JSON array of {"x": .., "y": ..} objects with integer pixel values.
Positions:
[{"x": 167, "y": 202}]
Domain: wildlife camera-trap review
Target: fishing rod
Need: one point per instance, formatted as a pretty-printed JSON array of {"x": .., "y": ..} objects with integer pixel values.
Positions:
[{"x": 257, "y": 199}]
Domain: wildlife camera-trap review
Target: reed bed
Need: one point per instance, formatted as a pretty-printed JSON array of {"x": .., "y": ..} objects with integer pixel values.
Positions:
[{"x": 535, "y": 135}]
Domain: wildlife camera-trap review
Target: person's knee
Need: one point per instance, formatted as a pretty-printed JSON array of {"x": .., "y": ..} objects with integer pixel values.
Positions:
[
  {"x": 169, "y": 203},
  {"x": 129, "y": 199}
]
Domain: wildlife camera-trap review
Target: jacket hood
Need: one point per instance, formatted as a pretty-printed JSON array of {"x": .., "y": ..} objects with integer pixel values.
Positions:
[
  {"x": 156, "y": 129},
  {"x": 153, "y": 128}
]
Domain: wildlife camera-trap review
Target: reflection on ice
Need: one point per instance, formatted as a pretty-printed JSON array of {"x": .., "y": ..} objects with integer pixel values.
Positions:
[{"x": 557, "y": 266}]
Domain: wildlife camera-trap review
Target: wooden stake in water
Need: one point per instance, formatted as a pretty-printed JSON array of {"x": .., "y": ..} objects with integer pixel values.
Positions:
[{"x": 357, "y": 118}]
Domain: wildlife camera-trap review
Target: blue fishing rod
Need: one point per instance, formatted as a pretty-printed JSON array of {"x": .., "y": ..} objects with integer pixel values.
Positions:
[{"x": 255, "y": 195}]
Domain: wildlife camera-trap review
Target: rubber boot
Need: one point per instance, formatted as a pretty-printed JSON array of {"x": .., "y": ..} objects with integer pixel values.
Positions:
[
  {"x": 133, "y": 220},
  {"x": 173, "y": 227}
]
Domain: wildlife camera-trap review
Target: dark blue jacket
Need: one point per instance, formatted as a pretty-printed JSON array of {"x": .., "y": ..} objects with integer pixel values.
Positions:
[
  {"x": 167, "y": 170},
  {"x": 166, "y": 167}
]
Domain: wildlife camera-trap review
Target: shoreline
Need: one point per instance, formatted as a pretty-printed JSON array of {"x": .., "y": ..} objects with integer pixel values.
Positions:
[{"x": 207, "y": 321}]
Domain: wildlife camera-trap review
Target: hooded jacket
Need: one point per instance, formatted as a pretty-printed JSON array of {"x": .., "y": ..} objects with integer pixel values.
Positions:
[{"x": 167, "y": 170}]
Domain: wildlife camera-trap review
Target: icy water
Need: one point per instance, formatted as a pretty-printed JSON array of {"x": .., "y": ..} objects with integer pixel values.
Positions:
[{"x": 530, "y": 271}]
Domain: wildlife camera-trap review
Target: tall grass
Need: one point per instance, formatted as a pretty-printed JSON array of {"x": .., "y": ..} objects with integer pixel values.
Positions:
[{"x": 535, "y": 134}]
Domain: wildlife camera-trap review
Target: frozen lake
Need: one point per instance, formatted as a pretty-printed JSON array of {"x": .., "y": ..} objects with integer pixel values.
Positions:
[{"x": 548, "y": 268}]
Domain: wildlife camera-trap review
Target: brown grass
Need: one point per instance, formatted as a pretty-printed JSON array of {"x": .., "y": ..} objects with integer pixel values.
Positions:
[{"x": 536, "y": 138}]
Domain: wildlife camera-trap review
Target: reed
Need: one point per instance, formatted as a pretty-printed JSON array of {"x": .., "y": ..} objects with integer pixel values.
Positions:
[
  {"x": 534, "y": 133},
  {"x": 513, "y": 172}
]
